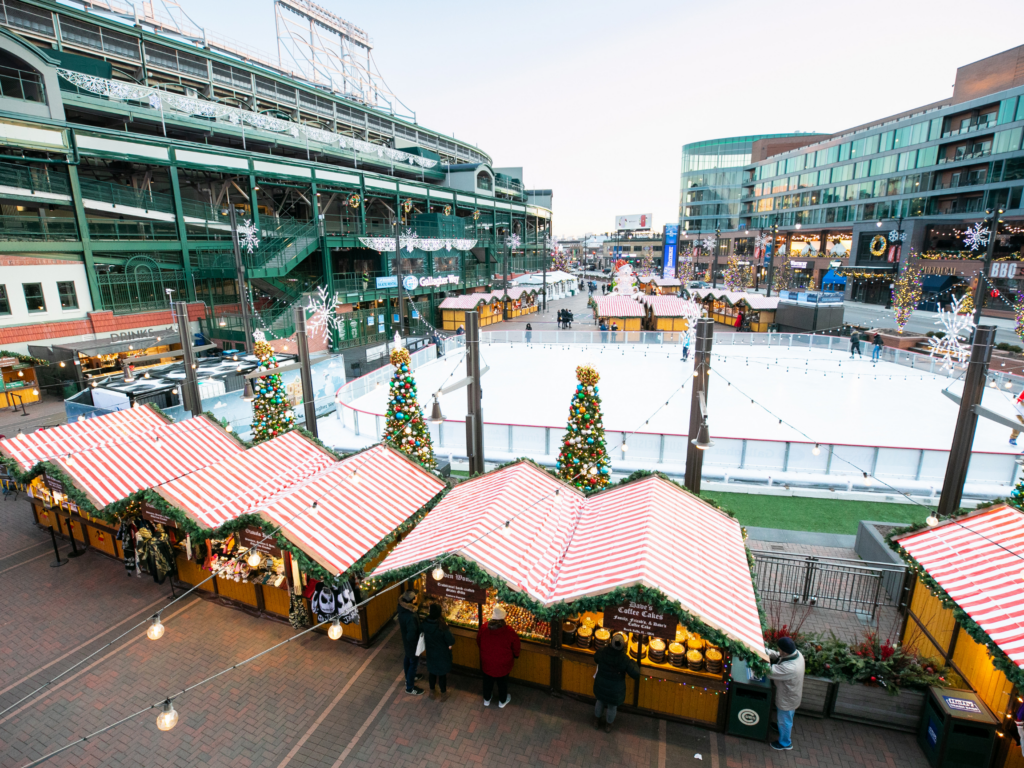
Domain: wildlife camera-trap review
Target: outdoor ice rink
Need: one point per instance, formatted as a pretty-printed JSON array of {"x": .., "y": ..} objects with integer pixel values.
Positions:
[{"x": 822, "y": 393}]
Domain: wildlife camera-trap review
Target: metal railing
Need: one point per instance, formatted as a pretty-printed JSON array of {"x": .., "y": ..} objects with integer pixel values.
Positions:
[
  {"x": 125, "y": 294},
  {"x": 132, "y": 229},
  {"x": 838, "y": 584},
  {"x": 21, "y": 84},
  {"x": 355, "y": 281},
  {"x": 35, "y": 179},
  {"x": 50, "y": 228}
]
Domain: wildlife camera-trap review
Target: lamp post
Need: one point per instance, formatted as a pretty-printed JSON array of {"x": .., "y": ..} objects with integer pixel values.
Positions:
[
  {"x": 511, "y": 241},
  {"x": 474, "y": 395},
  {"x": 305, "y": 372},
  {"x": 190, "y": 386},
  {"x": 699, "y": 438},
  {"x": 993, "y": 221},
  {"x": 771, "y": 259},
  {"x": 714, "y": 263},
  {"x": 243, "y": 293}
]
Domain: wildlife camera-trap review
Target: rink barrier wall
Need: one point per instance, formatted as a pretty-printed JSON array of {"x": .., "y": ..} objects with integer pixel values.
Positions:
[{"x": 738, "y": 460}]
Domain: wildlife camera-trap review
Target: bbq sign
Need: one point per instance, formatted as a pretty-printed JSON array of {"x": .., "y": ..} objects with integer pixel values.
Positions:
[
  {"x": 457, "y": 587},
  {"x": 640, "y": 618}
]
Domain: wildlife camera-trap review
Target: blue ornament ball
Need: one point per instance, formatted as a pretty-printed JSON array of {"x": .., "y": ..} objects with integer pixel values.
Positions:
[{"x": 590, "y": 439}]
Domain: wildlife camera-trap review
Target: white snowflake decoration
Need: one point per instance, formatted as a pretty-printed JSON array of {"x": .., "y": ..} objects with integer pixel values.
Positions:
[
  {"x": 325, "y": 316},
  {"x": 409, "y": 240},
  {"x": 762, "y": 241},
  {"x": 976, "y": 237},
  {"x": 248, "y": 237},
  {"x": 951, "y": 347},
  {"x": 513, "y": 241},
  {"x": 709, "y": 242},
  {"x": 897, "y": 237},
  {"x": 259, "y": 336}
]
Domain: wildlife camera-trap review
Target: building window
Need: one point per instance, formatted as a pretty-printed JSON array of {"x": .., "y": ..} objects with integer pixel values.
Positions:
[
  {"x": 483, "y": 181},
  {"x": 5, "y": 303},
  {"x": 34, "y": 297},
  {"x": 68, "y": 297}
]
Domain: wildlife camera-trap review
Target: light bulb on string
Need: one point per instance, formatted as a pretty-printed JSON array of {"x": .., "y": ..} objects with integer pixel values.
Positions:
[
  {"x": 816, "y": 450},
  {"x": 335, "y": 631},
  {"x": 932, "y": 520},
  {"x": 168, "y": 718},
  {"x": 156, "y": 629},
  {"x": 437, "y": 573},
  {"x": 254, "y": 559},
  {"x": 506, "y": 528}
]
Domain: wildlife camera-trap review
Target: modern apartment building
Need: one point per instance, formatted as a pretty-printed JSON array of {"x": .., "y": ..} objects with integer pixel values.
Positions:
[{"x": 896, "y": 190}]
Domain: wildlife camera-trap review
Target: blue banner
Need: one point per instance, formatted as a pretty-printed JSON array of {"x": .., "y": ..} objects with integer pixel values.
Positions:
[{"x": 668, "y": 249}]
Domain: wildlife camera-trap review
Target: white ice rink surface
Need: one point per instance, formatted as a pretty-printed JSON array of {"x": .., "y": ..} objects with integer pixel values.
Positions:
[{"x": 824, "y": 394}]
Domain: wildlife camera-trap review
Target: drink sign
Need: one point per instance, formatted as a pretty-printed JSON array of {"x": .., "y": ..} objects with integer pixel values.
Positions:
[
  {"x": 156, "y": 517},
  {"x": 640, "y": 618},
  {"x": 457, "y": 587},
  {"x": 251, "y": 537}
]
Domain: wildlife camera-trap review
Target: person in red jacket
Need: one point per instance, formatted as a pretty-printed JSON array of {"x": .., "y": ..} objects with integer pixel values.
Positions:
[{"x": 499, "y": 649}]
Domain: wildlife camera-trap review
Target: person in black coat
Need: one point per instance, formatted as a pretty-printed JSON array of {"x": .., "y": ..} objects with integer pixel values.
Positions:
[
  {"x": 610, "y": 681},
  {"x": 439, "y": 641},
  {"x": 409, "y": 626}
]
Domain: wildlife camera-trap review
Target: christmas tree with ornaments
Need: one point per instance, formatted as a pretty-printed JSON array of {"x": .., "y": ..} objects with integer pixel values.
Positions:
[
  {"x": 272, "y": 415},
  {"x": 583, "y": 460},
  {"x": 405, "y": 429}
]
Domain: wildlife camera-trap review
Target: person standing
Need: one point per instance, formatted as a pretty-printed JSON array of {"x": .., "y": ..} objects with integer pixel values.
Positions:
[
  {"x": 787, "y": 673},
  {"x": 686, "y": 347},
  {"x": 855, "y": 344},
  {"x": 529, "y": 332},
  {"x": 1018, "y": 404},
  {"x": 438, "y": 640},
  {"x": 409, "y": 626},
  {"x": 499, "y": 649},
  {"x": 610, "y": 681},
  {"x": 876, "y": 353},
  {"x": 568, "y": 317}
]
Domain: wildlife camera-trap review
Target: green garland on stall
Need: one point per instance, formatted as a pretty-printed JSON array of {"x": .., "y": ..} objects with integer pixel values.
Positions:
[
  {"x": 52, "y": 470},
  {"x": 999, "y": 659},
  {"x": 23, "y": 359}
]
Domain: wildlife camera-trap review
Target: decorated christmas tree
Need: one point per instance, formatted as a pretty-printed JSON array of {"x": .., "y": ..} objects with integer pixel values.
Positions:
[
  {"x": 583, "y": 460},
  {"x": 707, "y": 273},
  {"x": 967, "y": 304},
  {"x": 406, "y": 430},
  {"x": 783, "y": 273},
  {"x": 559, "y": 261},
  {"x": 737, "y": 277},
  {"x": 906, "y": 293},
  {"x": 272, "y": 413}
]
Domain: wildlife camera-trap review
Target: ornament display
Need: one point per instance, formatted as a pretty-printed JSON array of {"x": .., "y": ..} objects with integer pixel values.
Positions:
[
  {"x": 407, "y": 204},
  {"x": 447, "y": 210},
  {"x": 354, "y": 201},
  {"x": 272, "y": 413},
  {"x": 405, "y": 430},
  {"x": 878, "y": 245},
  {"x": 583, "y": 460}
]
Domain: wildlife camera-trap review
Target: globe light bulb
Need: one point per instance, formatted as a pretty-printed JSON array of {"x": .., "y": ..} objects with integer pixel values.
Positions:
[
  {"x": 932, "y": 520},
  {"x": 254, "y": 559},
  {"x": 437, "y": 573},
  {"x": 816, "y": 450},
  {"x": 156, "y": 629},
  {"x": 168, "y": 718},
  {"x": 335, "y": 631},
  {"x": 625, "y": 447},
  {"x": 506, "y": 528}
]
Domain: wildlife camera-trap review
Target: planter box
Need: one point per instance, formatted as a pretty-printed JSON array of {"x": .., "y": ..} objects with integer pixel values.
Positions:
[
  {"x": 817, "y": 696},
  {"x": 875, "y": 706},
  {"x": 900, "y": 341}
]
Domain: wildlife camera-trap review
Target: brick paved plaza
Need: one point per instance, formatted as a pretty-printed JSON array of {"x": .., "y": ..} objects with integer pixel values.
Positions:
[{"x": 312, "y": 703}]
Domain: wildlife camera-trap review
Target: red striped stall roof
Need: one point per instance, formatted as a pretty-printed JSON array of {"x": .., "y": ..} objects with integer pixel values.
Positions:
[
  {"x": 978, "y": 560},
  {"x": 667, "y": 306},
  {"x": 618, "y": 306},
  {"x": 148, "y": 459},
  {"x": 233, "y": 487},
  {"x": 466, "y": 301},
  {"x": 44, "y": 444},
  {"x": 359, "y": 501},
  {"x": 560, "y": 547}
]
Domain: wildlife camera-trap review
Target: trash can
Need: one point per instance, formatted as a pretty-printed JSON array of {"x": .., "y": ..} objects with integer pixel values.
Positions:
[
  {"x": 957, "y": 729},
  {"x": 750, "y": 699}
]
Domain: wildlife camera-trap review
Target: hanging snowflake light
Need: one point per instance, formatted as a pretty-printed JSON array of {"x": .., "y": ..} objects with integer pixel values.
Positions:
[
  {"x": 248, "y": 237},
  {"x": 409, "y": 240},
  {"x": 951, "y": 347},
  {"x": 325, "y": 317},
  {"x": 762, "y": 241},
  {"x": 708, "y": 242},
  {"x": 897, "y": 236},
  {"x": 976, "y": 237},
  {"x": 513, "y": 241}
]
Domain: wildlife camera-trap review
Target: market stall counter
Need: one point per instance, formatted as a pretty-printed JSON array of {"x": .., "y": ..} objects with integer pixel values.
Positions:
[{"x": 572, "y": 571}]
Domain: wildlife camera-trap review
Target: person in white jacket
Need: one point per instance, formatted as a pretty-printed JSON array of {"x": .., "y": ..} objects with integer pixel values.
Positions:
[{"x": 788, "y": 675}]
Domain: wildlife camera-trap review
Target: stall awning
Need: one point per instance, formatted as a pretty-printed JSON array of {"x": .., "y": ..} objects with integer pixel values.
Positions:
[
  {"x": 978, "y": 560},
  {"x": 618, "y": 306},
  {"x": 467, "y": 301},
  {"x": 108, "y": 347},
  {"x": 44, "y": 444},
  {"x": 561, "y": 547},
  {"x": 111, "y": 471},
  {"x": 831, "y": 278},
  {"x": 359, "y": 502},
  {"x": 671, "y": 306},
  {"x": 936, "y": 283},
  {"x": 233, "y": 487}
]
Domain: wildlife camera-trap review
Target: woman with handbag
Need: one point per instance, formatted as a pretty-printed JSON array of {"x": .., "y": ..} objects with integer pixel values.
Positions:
[{"x": 438, "y": 640}]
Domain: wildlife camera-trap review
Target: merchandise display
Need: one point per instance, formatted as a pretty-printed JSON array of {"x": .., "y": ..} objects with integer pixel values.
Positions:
[
  {"x": 225, "y": 558},
  {"x": 461, "y": 613}
]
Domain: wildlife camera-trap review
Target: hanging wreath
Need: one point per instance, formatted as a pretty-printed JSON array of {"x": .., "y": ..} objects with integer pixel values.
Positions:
[
  {"x": 447, "y": 210},
  {"x": 476, "y": 215},
  {"x": 878, "y": 244},
  {"x": 353, "y": 200},
  {"x": 407, "y": 205}
]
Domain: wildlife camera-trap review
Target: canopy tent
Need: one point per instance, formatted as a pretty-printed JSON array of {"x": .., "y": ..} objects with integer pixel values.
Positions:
[
  {"x": 223, "y": 491},
  {"x": 43, "y": 444},
  {"x": 936, "y": 283},
  {"x": 977, "y": 561},
  {"x": 831, "y": 278},
  {"x": 560, "y": 547}
]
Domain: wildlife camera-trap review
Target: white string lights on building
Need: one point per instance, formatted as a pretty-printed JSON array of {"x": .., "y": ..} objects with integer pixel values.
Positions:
[{"x": 155, "y": 98}]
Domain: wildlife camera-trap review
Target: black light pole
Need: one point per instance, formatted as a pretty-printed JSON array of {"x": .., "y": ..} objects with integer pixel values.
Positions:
[
  {"x": 190, "y": 397},
  {"x": 398, "y": 271},
  {"x": 699, "y": 438},
  {"x": 993, "y": 221},
  {"x": 474, "y": 395},
  {"x": 305, "y": 372},
  {"x": 714, "y": 267},
  {"x": 243, "y": 293},
  {"x": 966, "y": 421},
  {"x": 771, "y": 262}
]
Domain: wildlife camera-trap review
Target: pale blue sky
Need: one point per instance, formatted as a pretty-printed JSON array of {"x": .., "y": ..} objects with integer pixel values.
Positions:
[{"x": 595, "y": 99}]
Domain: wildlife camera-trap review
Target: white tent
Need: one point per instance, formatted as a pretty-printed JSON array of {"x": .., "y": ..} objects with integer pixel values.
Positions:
[{"x": 560, "y": 284}]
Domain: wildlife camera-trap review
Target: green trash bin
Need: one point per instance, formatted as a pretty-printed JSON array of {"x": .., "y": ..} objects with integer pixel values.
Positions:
[
  {"x": 750, "y": 700},
  {"x": 957, "y": 730}
]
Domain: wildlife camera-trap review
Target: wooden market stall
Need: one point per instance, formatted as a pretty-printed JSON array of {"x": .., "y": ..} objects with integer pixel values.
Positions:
[
  {"x": 76, "y": 472},
  {"x": 454, "y": 309},
  {"x": 310, "y": 516},
  {"x": 521, "y": 300},
  {"x": 966, "y": 612},
  {"x": 645, "y": 558},
  {"x": 669, "y": 313},
  {"x": 623, "y": 311},
  {"x": 661, "y": 286},
  {"x": 19, "y": 384},
  {"x": 755, "y": 313}
]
